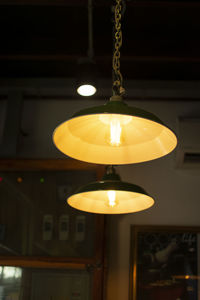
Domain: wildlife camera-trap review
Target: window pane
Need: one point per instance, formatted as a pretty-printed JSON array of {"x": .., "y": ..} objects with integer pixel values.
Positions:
[
  {"x": 40, "y": 284},
  {"x": 35, "y": 218}
]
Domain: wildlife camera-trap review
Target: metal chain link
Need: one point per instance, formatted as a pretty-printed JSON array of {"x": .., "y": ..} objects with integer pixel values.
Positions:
[{"x": 118, "y": 80}]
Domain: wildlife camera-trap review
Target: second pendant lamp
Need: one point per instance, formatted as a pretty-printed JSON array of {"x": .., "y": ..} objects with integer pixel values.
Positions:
[
  {"x": 114, "y": 133},
  {"x": 110, "y": 196}
]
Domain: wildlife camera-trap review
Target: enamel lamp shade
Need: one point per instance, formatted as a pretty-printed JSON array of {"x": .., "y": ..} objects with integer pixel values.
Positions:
[
  {"x": 114, "y": 134},
  {"x": 110, "y": 196}
]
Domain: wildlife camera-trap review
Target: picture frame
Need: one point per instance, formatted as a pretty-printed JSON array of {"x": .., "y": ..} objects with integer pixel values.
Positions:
[
  {"x": 164, "y": 263},
  {"x": 16, "y": 174}
]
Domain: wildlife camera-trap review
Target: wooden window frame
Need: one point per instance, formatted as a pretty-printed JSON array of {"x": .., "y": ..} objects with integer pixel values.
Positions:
[{"x": 95, "y": 264}]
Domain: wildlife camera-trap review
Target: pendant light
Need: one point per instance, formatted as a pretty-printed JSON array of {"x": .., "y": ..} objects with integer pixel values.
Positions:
[
  {"x": 86, "y": 83},
  {"x": 86, "y": 78},
  {"x": 110, "y": 196},
  {"x": 114, "y": 133}
]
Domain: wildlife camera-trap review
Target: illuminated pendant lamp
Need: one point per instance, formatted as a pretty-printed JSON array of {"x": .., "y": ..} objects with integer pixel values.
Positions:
[
  {"x": 114, "y": 133},
  {"x": 110, "y": 196}
]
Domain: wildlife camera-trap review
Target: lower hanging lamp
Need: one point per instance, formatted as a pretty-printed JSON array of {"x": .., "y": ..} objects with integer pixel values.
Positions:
[
  {"x": 114, "y": 133},
  {"x": 110, "y": 196}
]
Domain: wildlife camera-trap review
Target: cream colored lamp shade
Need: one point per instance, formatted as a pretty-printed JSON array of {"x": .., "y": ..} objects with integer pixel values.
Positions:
[
  {"x": 114, "y": 134},
  {"x": 110, "y": 196}
]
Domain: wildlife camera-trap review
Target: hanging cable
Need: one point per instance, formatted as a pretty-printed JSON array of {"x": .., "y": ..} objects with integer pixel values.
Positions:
[
  {"x": 117, "y": 78},
  {"x": 90, "y": 31}
]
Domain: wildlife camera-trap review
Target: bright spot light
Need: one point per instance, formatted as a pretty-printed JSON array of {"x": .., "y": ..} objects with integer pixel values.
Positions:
[
  {"x": 8, "y": 272},
  {"x": 11, "y": 272},
  {"x": 86, "y": 90},
  {"x": 115, "y": 137},
  {"x": 18, "y": 273},
  {"x": 111, "y": 198},
  {"x": 115, "y": 133}
]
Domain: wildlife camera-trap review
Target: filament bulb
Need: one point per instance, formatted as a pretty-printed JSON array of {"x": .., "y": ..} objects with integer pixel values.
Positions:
[
  {"x": 115, "y": 132},
  {"x": 112, "y": 198},
  {"x": 115, "y": 135}
]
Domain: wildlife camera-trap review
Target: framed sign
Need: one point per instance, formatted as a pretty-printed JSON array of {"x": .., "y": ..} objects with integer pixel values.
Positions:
[{"x": 165, "y": 263}]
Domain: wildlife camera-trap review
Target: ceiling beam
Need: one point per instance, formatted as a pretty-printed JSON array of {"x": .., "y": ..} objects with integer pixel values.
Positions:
[
  {"x": 42, "y": 89},
  {"x": 104, "y": 58},
  {"x": 58, "y": 164},
  {"x": 44, "y": 2},
  {"x": 139, "y": 3}
]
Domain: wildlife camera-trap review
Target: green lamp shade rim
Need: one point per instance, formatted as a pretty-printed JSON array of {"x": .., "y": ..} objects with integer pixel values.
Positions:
[
  {"x": 111, "y": 185},
  {"x": 118, "y": 107}
]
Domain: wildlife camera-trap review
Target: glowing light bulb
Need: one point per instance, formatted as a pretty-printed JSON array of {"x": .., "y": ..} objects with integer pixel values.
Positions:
[
  {"x": 112, "y": 198},
  {"x": 115, "y": 132},
  {"x": 115, "y": 135},
  {"x": 86, "y": 90}
]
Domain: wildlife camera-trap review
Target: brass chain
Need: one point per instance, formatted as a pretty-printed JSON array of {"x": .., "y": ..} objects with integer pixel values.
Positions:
[{"x": 118, "y": 80}]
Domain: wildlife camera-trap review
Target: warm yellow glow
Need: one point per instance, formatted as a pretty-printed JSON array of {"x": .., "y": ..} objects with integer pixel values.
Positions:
[
  {"x": 86, "y": 90},
  {"x": 115, "y": 133},
  {"x": 97, "y": 202},
  {"x": 192, "y": 277},
  {"x": 108, "y": 118},
  {"x": 111, "y": 198},
  {"x": 87, "y": 138}
]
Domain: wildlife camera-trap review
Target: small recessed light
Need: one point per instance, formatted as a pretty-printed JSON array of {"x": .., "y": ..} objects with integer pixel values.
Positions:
[{"x": 86, "y": 90}]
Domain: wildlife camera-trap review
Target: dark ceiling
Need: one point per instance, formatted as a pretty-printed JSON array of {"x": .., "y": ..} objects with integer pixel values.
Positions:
[{"x": 45, "y": 38}]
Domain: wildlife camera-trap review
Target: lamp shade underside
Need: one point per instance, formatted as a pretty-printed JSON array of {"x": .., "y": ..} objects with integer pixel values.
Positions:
[{"x": 98, "y": 202}]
